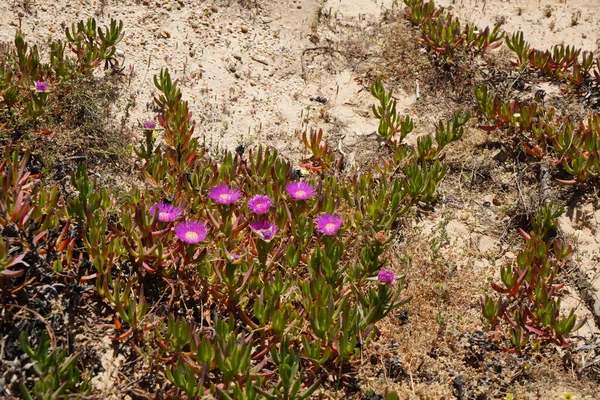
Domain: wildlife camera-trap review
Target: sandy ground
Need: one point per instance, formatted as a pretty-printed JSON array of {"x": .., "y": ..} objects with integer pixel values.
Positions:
[
  {"x": 242, "y": 65},
  {"x": 543, "y": 22},
  {"x": 247, "y": 66}
]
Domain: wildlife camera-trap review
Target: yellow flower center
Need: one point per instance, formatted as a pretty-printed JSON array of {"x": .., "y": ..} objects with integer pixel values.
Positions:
[
  {"x": 300, "y": 193},
  {"x": 191, "y": 236},
  {"x": 330, "y": 227}
]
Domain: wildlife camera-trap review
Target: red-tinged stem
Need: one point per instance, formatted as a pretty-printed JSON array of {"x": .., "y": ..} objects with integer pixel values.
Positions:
[
  {"x": 259, "y": 355},
  {"x": 246, "y": 319},
  {"x": 88, "y": 277},
  {"x": 123, "y": 336}
]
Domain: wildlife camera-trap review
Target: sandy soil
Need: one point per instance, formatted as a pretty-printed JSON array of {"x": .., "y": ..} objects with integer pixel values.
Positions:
[
  {"x": 543, "y": 22},
  {"x": 248, "y": 67},
  {"x": 243, "y": 65}
]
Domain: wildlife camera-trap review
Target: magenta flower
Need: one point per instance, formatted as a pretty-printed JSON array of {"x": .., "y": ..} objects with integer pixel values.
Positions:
[
  {"x": 264, "y": 229},
  {"x": 386, "y": 276},
  {"x": 149, "y": 125},
  {"x": 329, "y": 224},
  {"x": 166, "y": 212},
  {"x": 300, "y": 190},
  {"x": 260, "y": 204},
  {"x": 41, "y": 86},
  {"x": 191, "y": 232},
  {"x": 223, "y": 194}
]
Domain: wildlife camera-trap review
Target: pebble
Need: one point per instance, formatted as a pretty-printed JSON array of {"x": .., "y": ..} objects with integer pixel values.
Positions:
[
  {"x": 464, "y": 216},
  {"x": 237, "y": 56},
  {"x": 244, "y": 28},
  {"x": 214, "y": 8}
]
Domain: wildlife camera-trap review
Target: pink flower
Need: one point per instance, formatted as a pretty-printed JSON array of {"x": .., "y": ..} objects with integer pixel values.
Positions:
[
  {"x": 329, "y": 224},
  {"x": 223, "y": 194},
  {"x": 300, "y": 190},
  {"x": 191, "y": 232},
  {"x": 386, "y": 276},
  {"x": 264, "y": 229},
  {"x": 260, "y": 204},
  {"x": 41, "y": 86},
  {"x": 149, "y": 125},
  {"x": 166, "y": 212}
]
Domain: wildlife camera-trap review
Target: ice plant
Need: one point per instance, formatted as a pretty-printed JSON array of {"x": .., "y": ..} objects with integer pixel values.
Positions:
[
  {"x": 300, "y": 190},
  {"x": 528, "y": 301},
  {"x": 41, "y": 86},
  {"x": 264, "y": 229},
  {"x": 149, "y": 125},
  {"x": 329, "y": 224},
  {"x": 260, "y": 204},
  {"x": 223, "y": 194},
  {"x": 166, "y": 212},
  {"x": 191, "y": 232},
  {"x": 386, "y": 276}
]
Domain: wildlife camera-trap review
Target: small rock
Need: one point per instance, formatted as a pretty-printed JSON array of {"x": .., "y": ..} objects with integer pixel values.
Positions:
[
  {"x": 232, "y": 68},
  {"x": 244, "y": 28},
  {"x": 237, "y": 56},
  {"x": 237, "y": 75},
  {"x": 214, "y": 8},
  {"x": 319, "y": 99},
  {"x": 165, "y": 34},
  {"x": 464, "y": 216}
]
